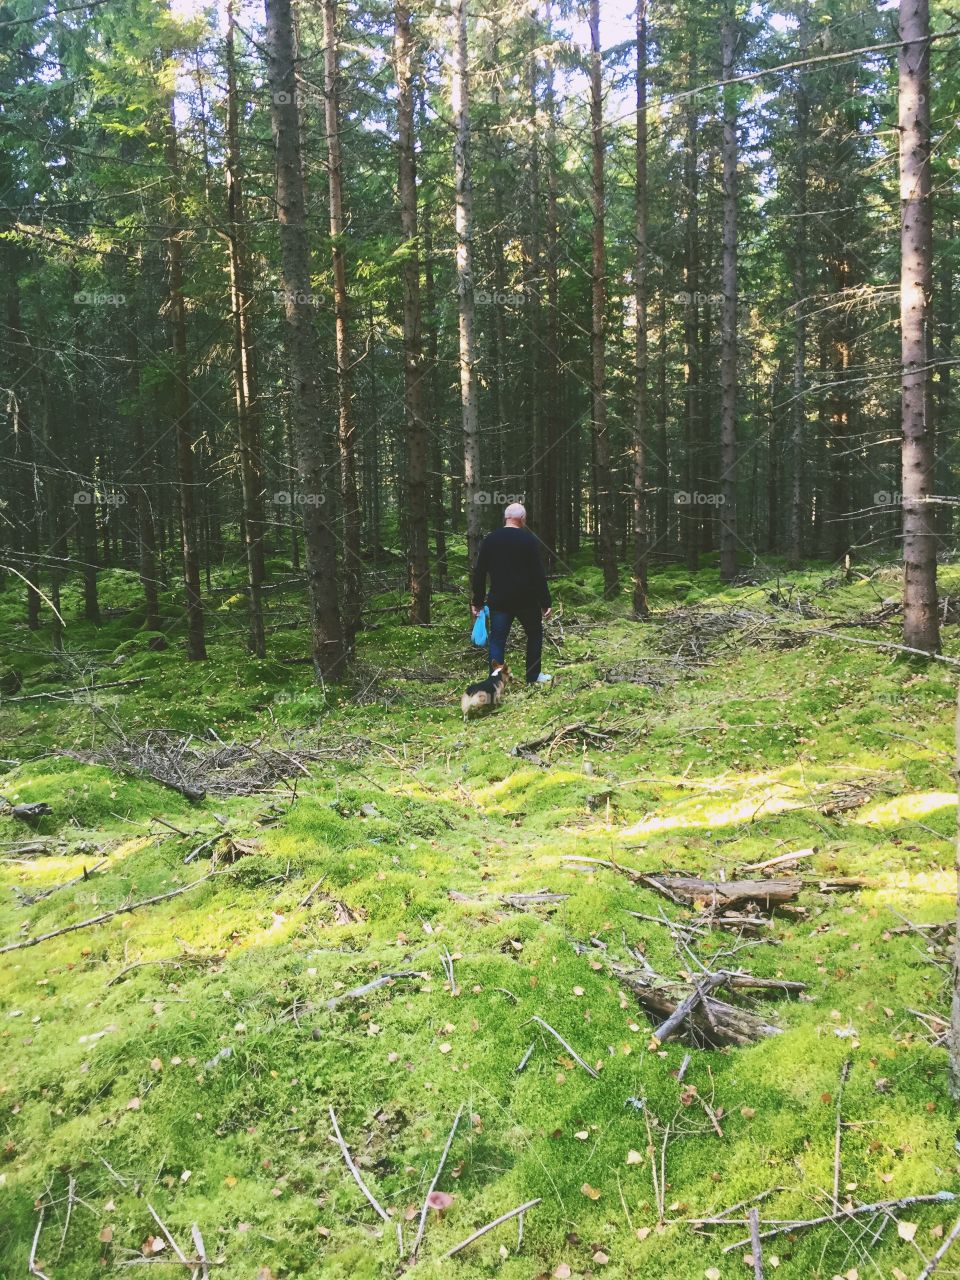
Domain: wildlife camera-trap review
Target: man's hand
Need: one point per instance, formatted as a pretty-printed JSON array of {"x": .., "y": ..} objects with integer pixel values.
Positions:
[{"x": 546, "y": 613}]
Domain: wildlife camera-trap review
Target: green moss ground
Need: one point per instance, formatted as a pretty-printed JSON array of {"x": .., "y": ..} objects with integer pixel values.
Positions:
[{"x": 724, "y": 764}]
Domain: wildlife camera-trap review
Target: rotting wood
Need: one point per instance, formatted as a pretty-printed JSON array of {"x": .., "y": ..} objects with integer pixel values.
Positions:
[
  {"x": 29, "y": 813},
  {"x": 709, "y": 1021},
  {"x": 714, "y": 895}
]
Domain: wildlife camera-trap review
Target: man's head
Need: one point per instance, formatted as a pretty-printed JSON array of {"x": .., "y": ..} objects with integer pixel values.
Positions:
[{"x": 515, "y": 515}]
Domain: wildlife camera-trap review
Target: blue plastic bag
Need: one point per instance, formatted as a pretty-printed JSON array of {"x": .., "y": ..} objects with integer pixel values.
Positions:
[{"x": 479, "y": 633}]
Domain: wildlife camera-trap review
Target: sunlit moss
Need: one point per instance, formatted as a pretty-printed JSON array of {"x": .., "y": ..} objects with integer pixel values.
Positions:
[{"x": 410, "y": 843}]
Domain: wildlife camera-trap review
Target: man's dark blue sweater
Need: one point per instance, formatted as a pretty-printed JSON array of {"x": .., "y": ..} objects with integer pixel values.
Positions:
[{"x": 511, "y": 558}]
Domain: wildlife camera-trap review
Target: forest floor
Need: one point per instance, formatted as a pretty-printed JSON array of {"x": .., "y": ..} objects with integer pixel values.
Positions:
[{"x": 178, "y": 1063}]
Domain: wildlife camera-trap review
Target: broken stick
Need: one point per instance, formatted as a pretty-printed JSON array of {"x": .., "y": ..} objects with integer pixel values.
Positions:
[
  {"x": 371, "y": 1198},
  {"x": 569, "y": 1048},
  {"x": 879, "y": 1206},
  {"x": 504, "y": 1217},
  {"x": 107, "y": 915}
]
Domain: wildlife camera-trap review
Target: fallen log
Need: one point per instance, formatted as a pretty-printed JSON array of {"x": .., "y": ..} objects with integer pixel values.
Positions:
[
  {"x": 715, "y": 896},
  {"x": 725, "y": 895},
  {"x": 29, "y": 813},
  {"x": 673, "y": 1004}
]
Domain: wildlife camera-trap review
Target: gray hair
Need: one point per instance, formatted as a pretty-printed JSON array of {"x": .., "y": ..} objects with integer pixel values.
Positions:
[{"x": 515, "y": 511}]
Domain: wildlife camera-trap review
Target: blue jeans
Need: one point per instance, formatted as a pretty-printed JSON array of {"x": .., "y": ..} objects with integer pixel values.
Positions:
[{"x": 532, "y": 622}]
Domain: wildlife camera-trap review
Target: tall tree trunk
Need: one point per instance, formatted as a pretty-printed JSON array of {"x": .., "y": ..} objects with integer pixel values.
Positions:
[
  {"x": 920, "y": 622},
  {"x": 838, "y": 506},
  {"x": 313, "y": 445},
  {"x": 146, "y": 533},
  {"x": 495, "y": 470},
  {"x": 24, "y": 447},
  {"x": 352, "y": 560},
  {"x": 460, "y": 102},
  {"x": 547, "y": 516},
  {"x": 244, "y": 367},
  {"x": 728, "y": 333},
  {"x": 533, "y": 299},
  {"x": 606, "y": 532},
  {"x": 799, "y": 407},
  {"x": 438, "y": 433},
  {"x": 944, "y": 474},
  {"x": 689, "y": 526},
  {"x": 641, "y": 535},
  {"x": 663, "y": 447},
  {"x": 418, "y": 554},
  {"x": 196, "y": 644}
]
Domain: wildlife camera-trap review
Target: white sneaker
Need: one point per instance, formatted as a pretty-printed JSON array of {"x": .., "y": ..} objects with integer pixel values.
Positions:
[{"x": 543, "y": 678}]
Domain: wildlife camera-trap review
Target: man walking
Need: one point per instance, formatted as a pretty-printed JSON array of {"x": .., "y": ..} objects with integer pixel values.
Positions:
[{"x": 518, "y": 589}]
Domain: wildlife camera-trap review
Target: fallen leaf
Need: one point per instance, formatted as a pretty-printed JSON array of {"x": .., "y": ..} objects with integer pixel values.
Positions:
[
  {"x": 748, "y": 1112},
  {"x": 133, "y": 1104},
  {"x": 600, "y": 1258},
  {"x": 711, "y": 1273},
  {"x": 582, "y": 1136},
  {"x": 106, "y": 1235},
  {"x": 906, "y": 1230},
  {"x": 643, "y": 1232},
  {"x": 634, "y": 1157},
  {"x": 562, "y": 1272},
  {"x": 590, "y": 1192}
]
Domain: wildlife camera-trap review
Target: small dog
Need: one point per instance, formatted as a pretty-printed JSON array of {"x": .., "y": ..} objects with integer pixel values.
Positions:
[{"x": 485, "y": 694}]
